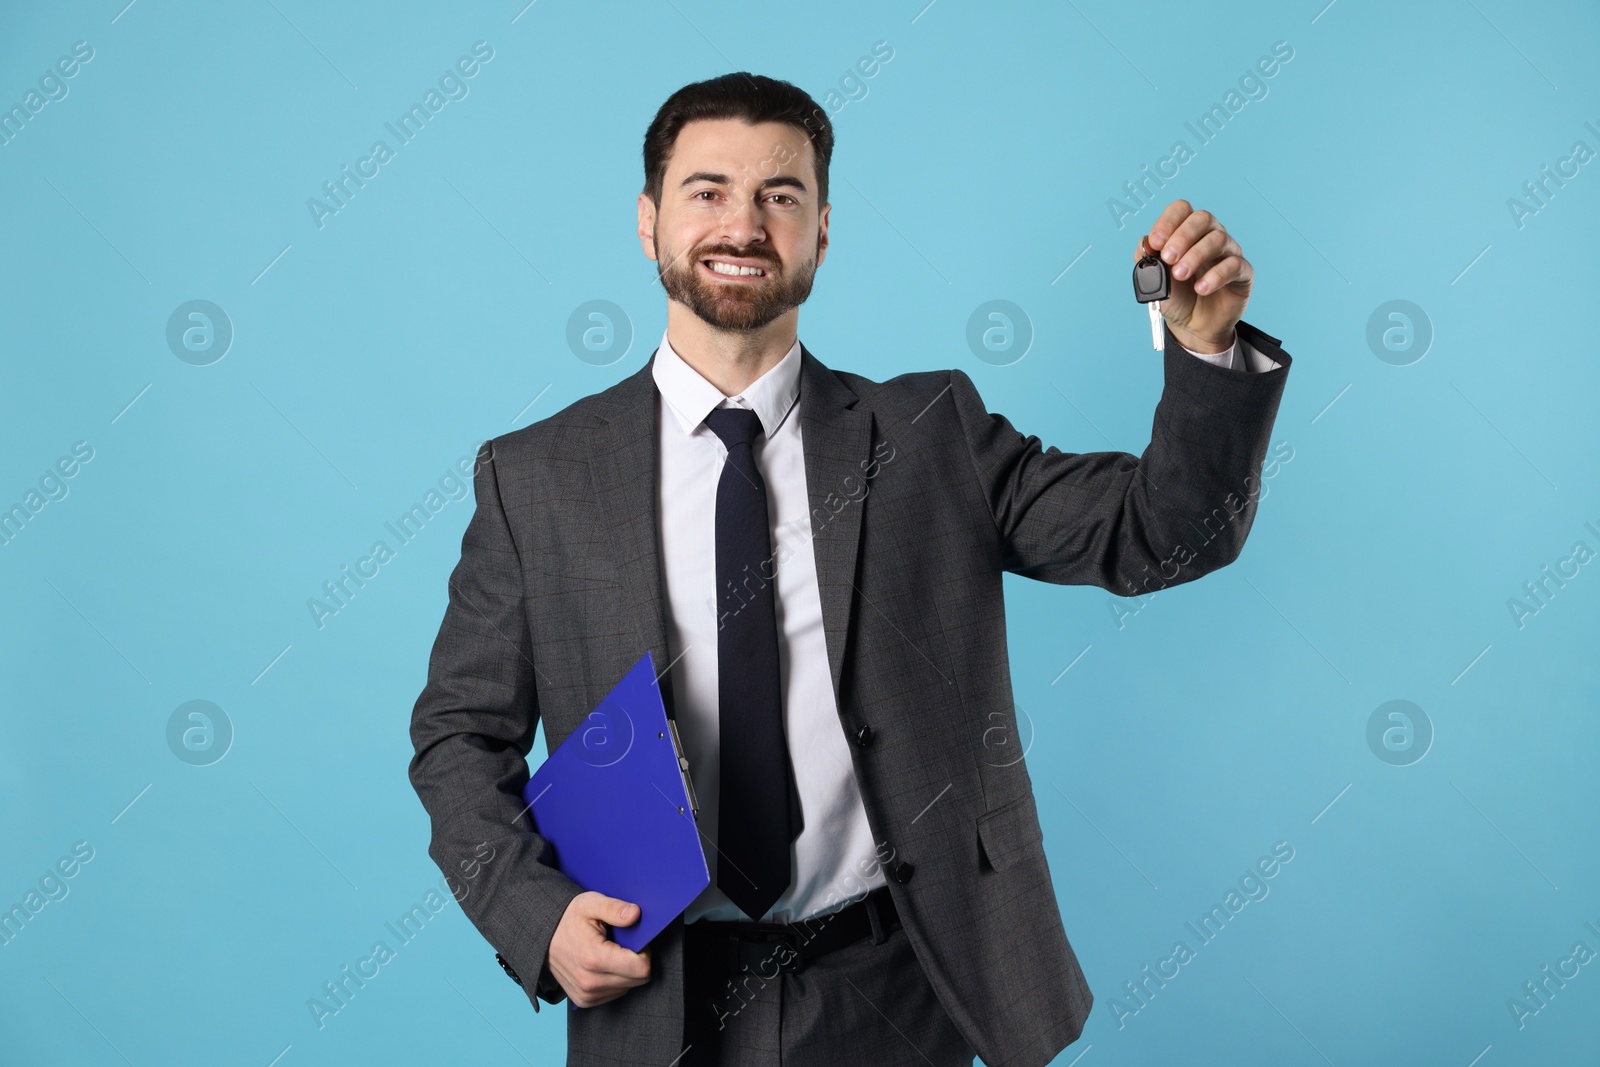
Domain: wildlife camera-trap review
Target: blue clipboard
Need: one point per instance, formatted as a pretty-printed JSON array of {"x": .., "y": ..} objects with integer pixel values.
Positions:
[{"x": 615, "y": 801}]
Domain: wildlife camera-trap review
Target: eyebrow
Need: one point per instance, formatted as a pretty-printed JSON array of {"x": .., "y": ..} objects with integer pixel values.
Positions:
[{"x": 722, "y": 179}]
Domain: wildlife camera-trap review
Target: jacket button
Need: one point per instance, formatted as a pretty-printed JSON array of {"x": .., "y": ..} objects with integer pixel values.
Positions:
[
  {"x": 501, "y": 960},
  {"x": 864, "y": 736},
  {"x": 902, "y": 872}
]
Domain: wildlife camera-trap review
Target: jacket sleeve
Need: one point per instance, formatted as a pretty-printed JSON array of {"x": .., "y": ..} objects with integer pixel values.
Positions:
[
  {"x": 471, "y": 730},
  {"x": 1133, "y": 524}
]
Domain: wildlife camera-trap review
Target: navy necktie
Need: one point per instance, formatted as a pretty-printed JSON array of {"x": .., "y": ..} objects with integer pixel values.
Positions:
[{"x": 758, "y": 806}]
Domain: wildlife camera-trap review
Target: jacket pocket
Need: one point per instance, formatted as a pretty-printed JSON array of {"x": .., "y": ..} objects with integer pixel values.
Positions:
[
  {"x": 1008, "y": 831},
  {"x": 579, "y": 570}
]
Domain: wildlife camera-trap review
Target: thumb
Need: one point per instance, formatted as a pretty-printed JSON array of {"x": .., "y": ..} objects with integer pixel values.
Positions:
[{"x": 617, "y": 912}]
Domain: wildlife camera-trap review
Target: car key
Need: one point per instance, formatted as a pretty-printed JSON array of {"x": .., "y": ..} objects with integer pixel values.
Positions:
[{"x": 1151, "y": 285}]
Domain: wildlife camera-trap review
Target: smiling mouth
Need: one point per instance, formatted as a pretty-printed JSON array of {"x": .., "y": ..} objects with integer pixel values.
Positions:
[{"x": 732, "y": 270}]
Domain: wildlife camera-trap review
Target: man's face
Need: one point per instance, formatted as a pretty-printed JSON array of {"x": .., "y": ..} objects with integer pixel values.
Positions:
[{"x": 744, "y": 197}]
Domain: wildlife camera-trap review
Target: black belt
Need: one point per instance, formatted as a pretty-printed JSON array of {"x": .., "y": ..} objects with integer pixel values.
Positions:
[{"x": 768, "y": 948}]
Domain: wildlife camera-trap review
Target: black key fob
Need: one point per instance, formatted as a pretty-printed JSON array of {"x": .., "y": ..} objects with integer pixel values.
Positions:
[{"x": 1150, "y": 280}]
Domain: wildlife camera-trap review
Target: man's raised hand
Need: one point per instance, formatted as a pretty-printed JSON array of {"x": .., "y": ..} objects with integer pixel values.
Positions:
[{"x": 1210, "y": 276}]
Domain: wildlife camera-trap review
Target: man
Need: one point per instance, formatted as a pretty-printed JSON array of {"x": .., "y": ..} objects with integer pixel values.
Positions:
[{"x": 816, "y": 559}]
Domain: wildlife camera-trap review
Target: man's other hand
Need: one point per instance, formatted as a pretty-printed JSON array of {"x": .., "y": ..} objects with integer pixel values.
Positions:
[
  {"x": 590, "y": 966},
  {"x": 1210, "y": 276}
]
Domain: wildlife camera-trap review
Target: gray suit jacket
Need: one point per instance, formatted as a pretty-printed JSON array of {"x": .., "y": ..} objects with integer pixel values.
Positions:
[{"x": 920, "y": 500}]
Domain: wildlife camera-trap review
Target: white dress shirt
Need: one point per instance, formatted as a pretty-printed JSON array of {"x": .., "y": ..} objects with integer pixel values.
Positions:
[
  {"x": 1241, "y": 356},
  {"x": 835, "y": 860}
]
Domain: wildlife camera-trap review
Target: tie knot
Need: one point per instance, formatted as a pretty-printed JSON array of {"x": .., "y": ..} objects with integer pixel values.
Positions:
[{"x": 736, "y": 426}]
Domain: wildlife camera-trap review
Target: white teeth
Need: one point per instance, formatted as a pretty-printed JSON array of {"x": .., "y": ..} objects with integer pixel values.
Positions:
[{"x": 729, "y": 268}]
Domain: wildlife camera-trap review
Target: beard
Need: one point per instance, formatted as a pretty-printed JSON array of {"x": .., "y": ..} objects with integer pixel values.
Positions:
[{"x": 734, "y": 305}]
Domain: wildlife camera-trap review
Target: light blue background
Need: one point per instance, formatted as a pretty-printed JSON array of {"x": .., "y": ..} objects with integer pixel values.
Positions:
[{"x": 378, "y": 350}]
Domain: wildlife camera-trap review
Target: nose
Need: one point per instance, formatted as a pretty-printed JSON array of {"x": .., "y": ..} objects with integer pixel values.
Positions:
[{"x": 741, "y": 220}]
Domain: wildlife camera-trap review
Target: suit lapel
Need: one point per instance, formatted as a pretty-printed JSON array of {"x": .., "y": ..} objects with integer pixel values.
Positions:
[
  {"x": 623, "y": 465},
  {"x": 836, "y": 436},
  {"x": 836, "y": 440}
]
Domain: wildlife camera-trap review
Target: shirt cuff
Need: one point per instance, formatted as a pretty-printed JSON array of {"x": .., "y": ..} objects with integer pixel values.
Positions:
[{"x": 1241, "y": 356}]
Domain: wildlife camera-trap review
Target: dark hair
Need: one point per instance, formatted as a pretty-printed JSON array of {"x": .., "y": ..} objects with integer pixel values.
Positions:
[{"x": 753, "y": 98}]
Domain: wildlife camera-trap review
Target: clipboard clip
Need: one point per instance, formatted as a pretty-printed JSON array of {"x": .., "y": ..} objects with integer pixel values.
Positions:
[{"x": 683, "y": 767}]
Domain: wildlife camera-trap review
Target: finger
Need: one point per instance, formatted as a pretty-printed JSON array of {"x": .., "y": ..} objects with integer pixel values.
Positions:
[
  {"x": 609, "y": 958},
  {"x": 1210, "y": 248},
  {"x": 1188, "y": 232},
  {"x": 597, "y": 987},
  {"x": 1171, "y": 215},
  {"x": 1230, "y": 270},
  {"x": 599, "y": 993}
]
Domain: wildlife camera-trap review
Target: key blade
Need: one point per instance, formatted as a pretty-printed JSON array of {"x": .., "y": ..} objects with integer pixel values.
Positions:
[{"x": 1156, "y": 337}]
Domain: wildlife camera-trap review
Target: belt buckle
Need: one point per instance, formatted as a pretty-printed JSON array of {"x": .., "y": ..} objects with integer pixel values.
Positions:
[{"x": 774, "y": 947}]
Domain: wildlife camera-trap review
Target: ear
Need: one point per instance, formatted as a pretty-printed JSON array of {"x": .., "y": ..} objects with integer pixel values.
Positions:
[
  {"x": 647, "y": 225},
  {"x": 822, "y": 233}
]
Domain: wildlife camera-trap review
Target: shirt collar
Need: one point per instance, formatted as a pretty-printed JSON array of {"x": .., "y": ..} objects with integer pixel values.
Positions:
[{"x": 691, "y": 398}]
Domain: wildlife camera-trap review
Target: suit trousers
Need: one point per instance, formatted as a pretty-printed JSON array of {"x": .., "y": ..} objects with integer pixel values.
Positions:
[{"x": 865, "y": 1003}]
